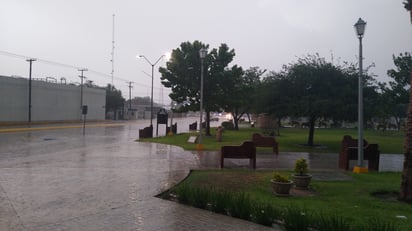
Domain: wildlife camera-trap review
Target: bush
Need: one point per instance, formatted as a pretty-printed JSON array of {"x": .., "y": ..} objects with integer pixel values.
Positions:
[
  {"x": 331, "y": 222},
  {"x": 228, "y": 125},
  {"x": 265, "y": 213},
  {"x": 377, "y": 224},
  {"x": 220, "y": 201},
  {"x": 200, "y": 197},
  {"x": 240, "y": 206},
  {"x": 295, "y": 219}
]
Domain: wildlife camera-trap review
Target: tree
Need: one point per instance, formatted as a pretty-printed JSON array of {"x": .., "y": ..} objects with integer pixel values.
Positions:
[
  {"x": 114, "y": 99},
  {"x": 239, "y": 91},
  {"x": 182, "y": 75},
  {"x": 315, "y": 89},
  {"x": 397, "y": 93},
  {"x": 273, "y": 97},
  {"x": 408, "y": 6},
  {"x": 405, "y": 193}
]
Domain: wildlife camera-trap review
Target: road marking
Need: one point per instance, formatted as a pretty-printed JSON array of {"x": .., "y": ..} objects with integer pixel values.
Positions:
[{"x": 25, "y": 129}]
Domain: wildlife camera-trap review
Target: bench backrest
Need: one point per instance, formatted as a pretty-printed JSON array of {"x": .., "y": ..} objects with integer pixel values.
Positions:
[{"x": 245, "y": 150}]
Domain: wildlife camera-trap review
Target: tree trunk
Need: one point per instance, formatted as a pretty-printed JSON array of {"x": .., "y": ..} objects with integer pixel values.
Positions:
[
  {"x": 207, "y": 122},
  {"x": 406, "y": 183},
  {"x": 279, "y": 125},
  {"x": 311, "y": 130}
]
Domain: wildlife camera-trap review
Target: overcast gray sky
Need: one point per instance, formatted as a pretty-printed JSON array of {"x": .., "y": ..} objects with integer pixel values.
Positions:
[{"x": 264, "y": 33}]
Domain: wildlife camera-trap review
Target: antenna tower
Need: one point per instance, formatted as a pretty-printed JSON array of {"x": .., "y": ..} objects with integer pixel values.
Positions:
[{"x": 112, "y": 60}]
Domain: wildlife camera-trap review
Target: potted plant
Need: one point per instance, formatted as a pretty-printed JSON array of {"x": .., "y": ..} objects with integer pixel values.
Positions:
[
  {"x": 281, "y": 185},
  {"x": 301, "y": 178}
]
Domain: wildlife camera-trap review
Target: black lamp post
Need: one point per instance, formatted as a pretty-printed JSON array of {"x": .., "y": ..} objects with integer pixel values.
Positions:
[
  {"x": 360, "y": 30},
  {"x": 202, "y": 54}
]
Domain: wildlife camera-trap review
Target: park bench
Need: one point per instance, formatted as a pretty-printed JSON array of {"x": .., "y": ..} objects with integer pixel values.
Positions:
[
  {"x": 247, "y": 150},
  {"x": 172, "y": 129},
  {"x": 193, "y": 126},
  {"x": 146, "y": 132},
  {"x": 265, "y": 141},
  {"x": 349, "y": 152}
]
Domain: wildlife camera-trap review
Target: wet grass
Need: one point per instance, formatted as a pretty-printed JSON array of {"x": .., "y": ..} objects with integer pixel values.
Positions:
[
  {"x": 291, "y": 140},
  {"x": 339, "y": 202}
]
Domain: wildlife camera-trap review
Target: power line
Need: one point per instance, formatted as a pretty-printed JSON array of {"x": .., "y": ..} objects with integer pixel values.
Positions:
[{"x": 10, "y": 54}]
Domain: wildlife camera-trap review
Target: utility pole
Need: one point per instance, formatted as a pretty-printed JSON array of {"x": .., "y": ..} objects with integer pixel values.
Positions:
[
  {"x": 81, "y": 86},
  {"x": 130, "y": 96},
  {"x": 31, "y": 60}
]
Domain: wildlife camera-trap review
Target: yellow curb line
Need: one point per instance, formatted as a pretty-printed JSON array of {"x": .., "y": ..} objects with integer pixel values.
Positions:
[{"x": 5, "y": 130}]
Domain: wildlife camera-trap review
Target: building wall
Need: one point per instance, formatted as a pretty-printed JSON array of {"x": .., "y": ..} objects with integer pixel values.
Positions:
[{"x": 50, "y": 101}]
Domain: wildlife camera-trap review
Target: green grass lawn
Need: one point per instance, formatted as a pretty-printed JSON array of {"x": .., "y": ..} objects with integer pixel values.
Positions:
[
  {"x": 350, "y": 199},
  {"x": 290, "y": 139}
]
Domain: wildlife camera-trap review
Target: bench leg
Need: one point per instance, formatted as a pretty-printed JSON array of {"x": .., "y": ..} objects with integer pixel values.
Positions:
[
  {"x": 221, "y": 161},
  {"x": 252, "y": 163}
]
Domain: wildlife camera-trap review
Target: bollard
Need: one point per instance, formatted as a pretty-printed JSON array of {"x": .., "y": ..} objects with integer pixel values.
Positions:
[{"x": 219, "y": 131}]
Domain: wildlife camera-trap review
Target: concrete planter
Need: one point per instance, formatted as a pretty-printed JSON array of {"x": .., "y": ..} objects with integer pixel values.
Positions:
[
  {"x": 281, "y": 188},
  {"x": 302, "y": 181}
]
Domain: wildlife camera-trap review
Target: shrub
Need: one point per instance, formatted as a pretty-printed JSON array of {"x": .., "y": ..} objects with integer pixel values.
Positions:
[
  {"x": 183, "y": 193},
  {"x": 240, "y": 206},
  {"x": 377, "y": 224},
  {"x": 199, "y": 197},
  {"x": 331, "y": 222},
  {"x": 219, "y": 201},
  {"x": 301, "y": 166},
  {"x": 280, "y": 178},
  {"x": 295, "y": 219},
  {"x": 265, "y": 213}
]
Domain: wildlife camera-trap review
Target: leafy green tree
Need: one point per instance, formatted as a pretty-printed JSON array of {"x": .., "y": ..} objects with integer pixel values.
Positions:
[
  {"x": 273, "y": 97},
  {"x": 396, "y": 96},
  {"x": 114, "y": 99},
  {"x": 239, "y": 90},
  {"x": 406, "y": 183},
  {"x": 182, "y": 75},
  {"x": 315, "y": 89}
]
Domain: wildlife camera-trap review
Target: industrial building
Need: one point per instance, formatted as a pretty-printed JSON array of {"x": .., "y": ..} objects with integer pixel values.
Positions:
[{"x": 50, "y": 100}]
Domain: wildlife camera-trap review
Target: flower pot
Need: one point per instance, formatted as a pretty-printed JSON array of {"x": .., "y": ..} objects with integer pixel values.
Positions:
[
  {"x": 281, "y": 188},
  {"x": 302, "y": 181}
]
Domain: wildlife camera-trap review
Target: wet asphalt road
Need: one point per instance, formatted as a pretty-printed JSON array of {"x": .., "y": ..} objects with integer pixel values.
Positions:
[{"x": 61, "y": 180}]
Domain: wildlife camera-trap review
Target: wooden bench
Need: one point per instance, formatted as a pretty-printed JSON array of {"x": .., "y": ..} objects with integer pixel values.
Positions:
[
  {"x": 146, "y": 132},
  {"x": 265, "y": 141},
  {"x": 349, "y": 151},
  {"x": 172, "y": 129},
  {"x": 247, "y": 150},
  {"x": 193, "y": 126}
]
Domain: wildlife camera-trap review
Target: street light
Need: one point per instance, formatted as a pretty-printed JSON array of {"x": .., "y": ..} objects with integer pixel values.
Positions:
[
  {"x": 360, "y": 30},
  {"x": 202, "y": 54},
  {"x": 31, "y": 60},
  {"x": 151, "y": 97}
]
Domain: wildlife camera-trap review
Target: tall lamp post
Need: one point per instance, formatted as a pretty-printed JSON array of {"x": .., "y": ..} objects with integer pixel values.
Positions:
[
  {"x": 202, "y": 54},
  {"x": 31, "y": 62},
  {"x": 360, "y": 30},
  {"x": 151, "y": 97}
]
